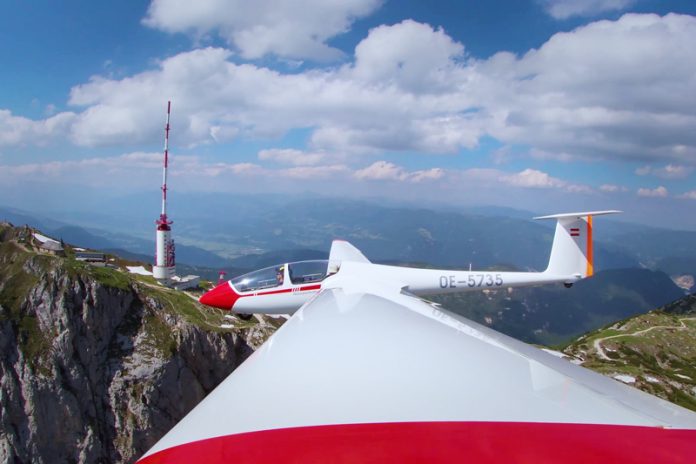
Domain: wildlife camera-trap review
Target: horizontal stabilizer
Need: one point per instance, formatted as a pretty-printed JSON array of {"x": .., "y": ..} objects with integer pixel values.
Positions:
[{"x": 579, "y": 215}]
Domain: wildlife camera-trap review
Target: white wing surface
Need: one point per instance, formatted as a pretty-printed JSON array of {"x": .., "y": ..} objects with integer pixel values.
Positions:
[{"x": 369, "y": 374}]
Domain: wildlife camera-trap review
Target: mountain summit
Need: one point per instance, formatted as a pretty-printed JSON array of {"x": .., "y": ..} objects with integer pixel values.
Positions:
[{"x": 97, "y": 364}]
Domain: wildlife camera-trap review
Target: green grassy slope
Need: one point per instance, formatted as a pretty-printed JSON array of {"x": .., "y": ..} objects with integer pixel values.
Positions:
[{"x": 655, "y": 352}]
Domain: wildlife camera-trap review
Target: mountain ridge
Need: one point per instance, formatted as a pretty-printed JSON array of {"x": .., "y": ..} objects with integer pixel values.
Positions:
[{"x": 655, "y": 352}]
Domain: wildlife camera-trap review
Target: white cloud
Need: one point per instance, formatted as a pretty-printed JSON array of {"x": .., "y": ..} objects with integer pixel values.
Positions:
[
  {"x": 670, "y": 171},
  {"x": 659, "y": 192},
  {"x": 563, "y": 9},
  {"x": 584, "y": 94},
  {"x": 611, "y": 188},
  {"x": 133, "y": 108},
  {"x": 588, "y": 92},
  {"x": 527, "y": 179},
  {"x": 117, "y": 174},
  {"x": 214, "y": 96},
  {"x": 532, "y": 178},
  {"x": 297, "y": 29},
  {"x": 384, "y": 170},
  {"x": 427, "y": 175},
  {"x": 545, "y": 155},
  {"x": 126, "y": 163},
  {"x": 291, "y": 156},
  {"x": 17, "y": 130},
  {"x": 690, "y": 195},
  {"x": 140, "y": 169},
  {"x": 410, "y": 55}
]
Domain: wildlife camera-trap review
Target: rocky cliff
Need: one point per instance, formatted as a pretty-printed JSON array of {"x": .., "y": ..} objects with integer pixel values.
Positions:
[{"x": 96, "y": 365}]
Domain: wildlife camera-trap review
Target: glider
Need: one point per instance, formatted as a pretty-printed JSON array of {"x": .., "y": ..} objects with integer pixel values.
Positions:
[{"x": 285, "y": 287}]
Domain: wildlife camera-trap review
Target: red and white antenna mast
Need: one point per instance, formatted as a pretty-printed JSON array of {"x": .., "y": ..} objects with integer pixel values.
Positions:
[
  {"x": 164, "y": 268},
  {"x": 163, "y": 215}
]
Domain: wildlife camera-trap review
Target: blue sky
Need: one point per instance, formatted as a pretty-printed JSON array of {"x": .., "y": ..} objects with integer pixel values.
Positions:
[{"x": 544, "y": 105}]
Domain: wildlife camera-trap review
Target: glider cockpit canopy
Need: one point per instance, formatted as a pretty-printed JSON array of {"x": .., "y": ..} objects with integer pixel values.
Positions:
[{"x": 297, "y": 273}]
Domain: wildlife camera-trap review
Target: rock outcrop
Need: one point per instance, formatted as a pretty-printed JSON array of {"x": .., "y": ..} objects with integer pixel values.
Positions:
[{"x": 95, "y": 365}]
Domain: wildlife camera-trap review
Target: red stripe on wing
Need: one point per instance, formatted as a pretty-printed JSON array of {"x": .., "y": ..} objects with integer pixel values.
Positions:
[{"x": 442, "y": 442}]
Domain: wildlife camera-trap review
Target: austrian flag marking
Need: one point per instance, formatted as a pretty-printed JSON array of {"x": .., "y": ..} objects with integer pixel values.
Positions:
[{"x": 575, "y": 232}]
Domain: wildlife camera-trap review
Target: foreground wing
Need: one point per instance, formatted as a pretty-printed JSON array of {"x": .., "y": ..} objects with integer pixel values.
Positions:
[{"x": 386, "y": 377}]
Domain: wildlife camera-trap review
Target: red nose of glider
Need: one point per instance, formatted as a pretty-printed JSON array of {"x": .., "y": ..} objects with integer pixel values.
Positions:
[{"x": 222, "y": 297}]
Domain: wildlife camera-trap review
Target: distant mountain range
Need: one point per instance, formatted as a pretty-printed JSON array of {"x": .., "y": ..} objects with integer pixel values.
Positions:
[{"x": 246, "y": 232}]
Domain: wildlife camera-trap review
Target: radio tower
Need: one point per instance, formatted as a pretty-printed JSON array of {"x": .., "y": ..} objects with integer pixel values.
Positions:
[{"x": 164, "y": 268}]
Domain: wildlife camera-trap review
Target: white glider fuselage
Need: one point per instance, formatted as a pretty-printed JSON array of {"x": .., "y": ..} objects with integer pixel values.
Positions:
[
  {"x": 423, "y": 282},
  {"x": 284, "y": 288},
  {"x": 286, "y": 299}
]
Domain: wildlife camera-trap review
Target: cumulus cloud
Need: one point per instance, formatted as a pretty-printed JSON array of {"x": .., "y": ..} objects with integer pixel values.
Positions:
[
  {"x": 586, "y": 94},
  {"x": 411, "y": 55},
  {"x": 17, "y": 130},
  {"x": 659, "y": 192},
  {"x": 564, "y": 9},
  {"x": 384, "y": 170},
  {"x": 426, "y": 175},
  {"x": 132, "y": 109},
  {"x": 690, "y": 195},
  {"x": 612, "y": 188},
  {"x": 215, "y": 96},
  {"x": 545, "y": 155},
  {"x": 297, "y": 29},
  {"x": 670, "y": 171},
  {"x": 532, "y": 178}
]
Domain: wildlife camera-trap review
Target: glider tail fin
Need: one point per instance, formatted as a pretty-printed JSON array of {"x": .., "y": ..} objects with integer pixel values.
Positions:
[
  {"x": 344, "y": 251},
  {"x": 572, "y": 251}
]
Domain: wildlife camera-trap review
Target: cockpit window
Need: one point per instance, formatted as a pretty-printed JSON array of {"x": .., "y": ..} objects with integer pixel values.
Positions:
[
  {"x": 258, "y": 280},
  {"x": 303, "y": 272}
]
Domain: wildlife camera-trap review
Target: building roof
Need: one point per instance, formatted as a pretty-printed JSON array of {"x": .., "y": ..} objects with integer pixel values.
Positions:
[{"x": 51, "y": 245}]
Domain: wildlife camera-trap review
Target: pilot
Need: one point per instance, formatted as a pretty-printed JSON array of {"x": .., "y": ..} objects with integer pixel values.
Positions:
[{"x": 280, "y": 275}]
